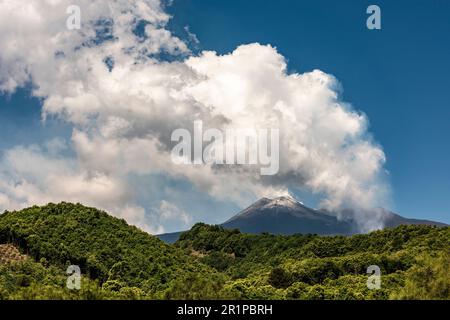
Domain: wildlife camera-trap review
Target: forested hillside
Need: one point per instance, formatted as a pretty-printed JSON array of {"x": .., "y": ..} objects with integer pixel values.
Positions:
[
  {"x": 120, "y": 258},
  {"x": 119, "y": 261},
  {"x": 413, "y": 262}
]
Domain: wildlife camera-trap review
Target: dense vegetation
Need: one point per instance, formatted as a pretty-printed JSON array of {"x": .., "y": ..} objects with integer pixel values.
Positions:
[
  {"x": 413, "y": 262},
  {"x": 117, "y": 256},
  {"x": 119, "y": 261}
]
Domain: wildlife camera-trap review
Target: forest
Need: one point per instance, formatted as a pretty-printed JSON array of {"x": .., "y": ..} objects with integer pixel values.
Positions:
[{"x": 119, "y": 261}]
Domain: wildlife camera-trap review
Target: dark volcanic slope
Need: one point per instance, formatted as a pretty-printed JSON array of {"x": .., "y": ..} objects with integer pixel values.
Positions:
[
  {"x": 393, "y": 220},
  {"x": 170, "y": 237},
  {"x": 285, "y": 215}
]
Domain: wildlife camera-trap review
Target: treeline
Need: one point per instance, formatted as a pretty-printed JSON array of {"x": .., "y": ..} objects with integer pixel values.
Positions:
[
  {"x": 117, "y": 256},
  {"x": 412, "y": 261},
  {"x": 119, "y": 261}
]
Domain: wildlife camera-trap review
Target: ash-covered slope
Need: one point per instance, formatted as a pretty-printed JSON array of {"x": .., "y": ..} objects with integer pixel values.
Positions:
[{"x": 285, "y": 215}]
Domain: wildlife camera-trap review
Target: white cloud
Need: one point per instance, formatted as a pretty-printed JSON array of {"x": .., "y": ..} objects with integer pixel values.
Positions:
[
  {"x": 123, "y": 117},
  {"x": 34, "y": 176},
  {"x": 137, "y": 216},
  {"x": 169, "y": 211}
]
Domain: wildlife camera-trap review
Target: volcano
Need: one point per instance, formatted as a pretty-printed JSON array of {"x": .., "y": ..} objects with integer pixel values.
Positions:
[{"x": 285, "y": 215}]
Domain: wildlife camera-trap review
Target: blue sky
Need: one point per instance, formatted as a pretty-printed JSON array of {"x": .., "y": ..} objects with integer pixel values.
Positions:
[{"x": 397, "y": 76}]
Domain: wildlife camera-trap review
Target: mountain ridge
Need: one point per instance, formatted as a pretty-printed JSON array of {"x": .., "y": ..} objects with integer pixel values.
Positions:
[
  {"x": 120, "y": 261},
  {"x": 286, "y": 215}
]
